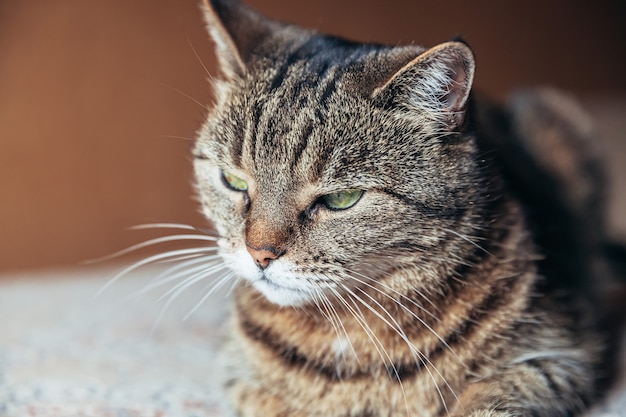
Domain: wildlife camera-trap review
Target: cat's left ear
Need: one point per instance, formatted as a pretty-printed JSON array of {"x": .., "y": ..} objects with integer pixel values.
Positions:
[
  {"x": 438, "y": 81},
  {"x": 236, "y": 30}
]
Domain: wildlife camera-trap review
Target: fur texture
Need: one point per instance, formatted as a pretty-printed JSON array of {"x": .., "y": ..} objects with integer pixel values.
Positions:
[{"x": 440, "y": 291}]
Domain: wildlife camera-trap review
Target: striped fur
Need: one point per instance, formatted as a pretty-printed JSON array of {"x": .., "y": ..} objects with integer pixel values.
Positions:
[{"x": 428, "y": 297}]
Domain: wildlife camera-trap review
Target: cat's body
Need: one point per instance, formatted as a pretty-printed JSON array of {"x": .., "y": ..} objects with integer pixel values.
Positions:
[{"x": 394, "y": 257}]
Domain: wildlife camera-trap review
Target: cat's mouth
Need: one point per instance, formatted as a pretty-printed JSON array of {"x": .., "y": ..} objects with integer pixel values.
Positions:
[
  {"x": 268, "y": 281},
  {"x": 280, "y": 294},
  {"x": 278, "y": 283}
]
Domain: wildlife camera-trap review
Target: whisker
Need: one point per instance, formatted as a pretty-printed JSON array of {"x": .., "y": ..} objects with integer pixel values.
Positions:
[
  {"x": 467, "y": 239},
  {"x": 316, "y": 296},
  {"x": 415, "y": 316},
  {"x": 189, "y": 260},
  {"x": 166, "y": 278},
  {"x": 144, "y": 262},
  {"x": 330, "y": 306},
  {"x": 208, "y": 73},
  {"x": 415, "y": 351},
  {"x": 201, "y": 274},
  {"x": 421, "y": 294},
  {"x": 421, "y": 357},
  {"x": 181, "y": 226},
  {"x": 176, "y": 137},
  {"x": 153, "y": 242},
  {"x": 392, "y": 365},
  {"x": 182, "y": 93},
  {"x": 177, "y": 290},
  {"x": 162, "y": 225},
  {"x": 363, "y": 324},
  {"x": 419, "y": 306},
  {"x": 233, "y": 286},
  {"x": 330, "y": 314},
  {"x": 179, "y": 259},
  {"x": 215, "y": 286}
]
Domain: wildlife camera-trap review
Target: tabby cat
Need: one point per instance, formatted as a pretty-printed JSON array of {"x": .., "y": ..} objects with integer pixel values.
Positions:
[{"x": 405, "y": 249}]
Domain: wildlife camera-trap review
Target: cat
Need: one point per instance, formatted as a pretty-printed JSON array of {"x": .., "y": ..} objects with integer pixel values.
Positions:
[{"x": 404, "y": 247}]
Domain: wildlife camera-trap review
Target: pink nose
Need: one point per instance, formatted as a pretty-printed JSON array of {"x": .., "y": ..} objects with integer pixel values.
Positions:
[{"x": 262, "y": 257}]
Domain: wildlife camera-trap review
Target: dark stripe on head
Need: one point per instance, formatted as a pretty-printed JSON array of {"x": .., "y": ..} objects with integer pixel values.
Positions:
[
  {"x": 304, "y": 141},
  {"x": 320, "y": 54},
  {"x": 302, "y": 53},
  {"x": 256, "y": 119},
  {"x": 443, "y": 213},
  {"x": 281, "y": 72},
  {"x": 328, "y": 90}
]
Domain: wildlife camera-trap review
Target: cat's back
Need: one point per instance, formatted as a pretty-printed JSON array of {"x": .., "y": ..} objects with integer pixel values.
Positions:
[{"x": 546, "y": 148}]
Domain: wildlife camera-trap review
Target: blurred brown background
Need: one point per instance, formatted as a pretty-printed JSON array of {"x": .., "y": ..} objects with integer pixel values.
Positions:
[{"x": 99, "y": 100}]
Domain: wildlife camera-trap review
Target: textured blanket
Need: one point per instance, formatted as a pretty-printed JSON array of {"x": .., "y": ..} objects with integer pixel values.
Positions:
[{"x": 65, "y": 352}]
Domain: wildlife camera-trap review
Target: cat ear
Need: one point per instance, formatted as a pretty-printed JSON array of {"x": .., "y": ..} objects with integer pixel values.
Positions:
[
  {"x": 438, "y": 81},
  {"x": 236, "y": 30}
]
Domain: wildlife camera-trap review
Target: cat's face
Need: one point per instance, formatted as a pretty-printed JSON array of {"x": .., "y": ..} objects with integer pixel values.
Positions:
[{"x": 326, "y": 165}]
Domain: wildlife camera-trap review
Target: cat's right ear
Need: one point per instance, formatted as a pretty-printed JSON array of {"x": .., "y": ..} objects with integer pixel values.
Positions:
[{"x": 236, "y": 30}]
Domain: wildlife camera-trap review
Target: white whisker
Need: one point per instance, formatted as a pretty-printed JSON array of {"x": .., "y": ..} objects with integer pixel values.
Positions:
[
  {"x": 164, "y": 279},
  {"x": 147, "y": 261},
  {"x": 178, "y": 259},
  {"x": 233, "y": 286},
  {"x": 178, "y": 289},
  {"x": 363, "y": 324},
  {"x": 415, "y": 316},
  {"x": 416, "y": 353},
  {"x": 328, "y": 311},
  {"x": 189, "y": 260},
  {"x": 392, "y": 365},
  {"x": 180, "y": 226},
  {"x": 176, "y": 137},
  {"x": 206, "y": 70},
  {"x": 153, "y": 242},
  {"x": 182, "y": 93},
  {"x": 419, "y": 306},
  {"x": 423, "y": 359},
  {"x": 214, "y": 287},
  {"x": 202, "y": 273},
  {"x": 467, "y": 239},
  {"x": 336, "y": 315}
]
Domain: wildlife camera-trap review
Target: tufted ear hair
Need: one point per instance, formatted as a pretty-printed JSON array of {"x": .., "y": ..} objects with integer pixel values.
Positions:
[
  {"x": 236, "y": 30},
  {"x": 438, "y": 81}
]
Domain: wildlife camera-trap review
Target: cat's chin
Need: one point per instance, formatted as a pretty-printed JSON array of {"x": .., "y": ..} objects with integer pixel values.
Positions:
[{"x": 279, "y": 295}]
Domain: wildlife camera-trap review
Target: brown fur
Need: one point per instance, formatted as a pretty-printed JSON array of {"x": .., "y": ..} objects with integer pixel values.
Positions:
[{"x": 439, "y": 292}]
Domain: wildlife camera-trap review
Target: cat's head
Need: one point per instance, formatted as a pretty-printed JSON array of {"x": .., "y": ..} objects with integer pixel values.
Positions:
[{"x": 326, "y": 165}]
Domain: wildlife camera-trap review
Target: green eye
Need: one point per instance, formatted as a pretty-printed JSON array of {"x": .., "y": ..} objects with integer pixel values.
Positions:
[
  {"x": 233, "y": 182},
  {"x": 342, "y": 200}
]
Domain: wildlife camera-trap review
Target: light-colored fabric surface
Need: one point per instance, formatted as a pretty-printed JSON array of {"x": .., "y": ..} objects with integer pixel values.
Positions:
[{"x": 64, "y": 353}]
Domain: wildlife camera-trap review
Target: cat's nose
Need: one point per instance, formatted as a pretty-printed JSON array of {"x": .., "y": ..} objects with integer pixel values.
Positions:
[{"x": 262, "y": 257}]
